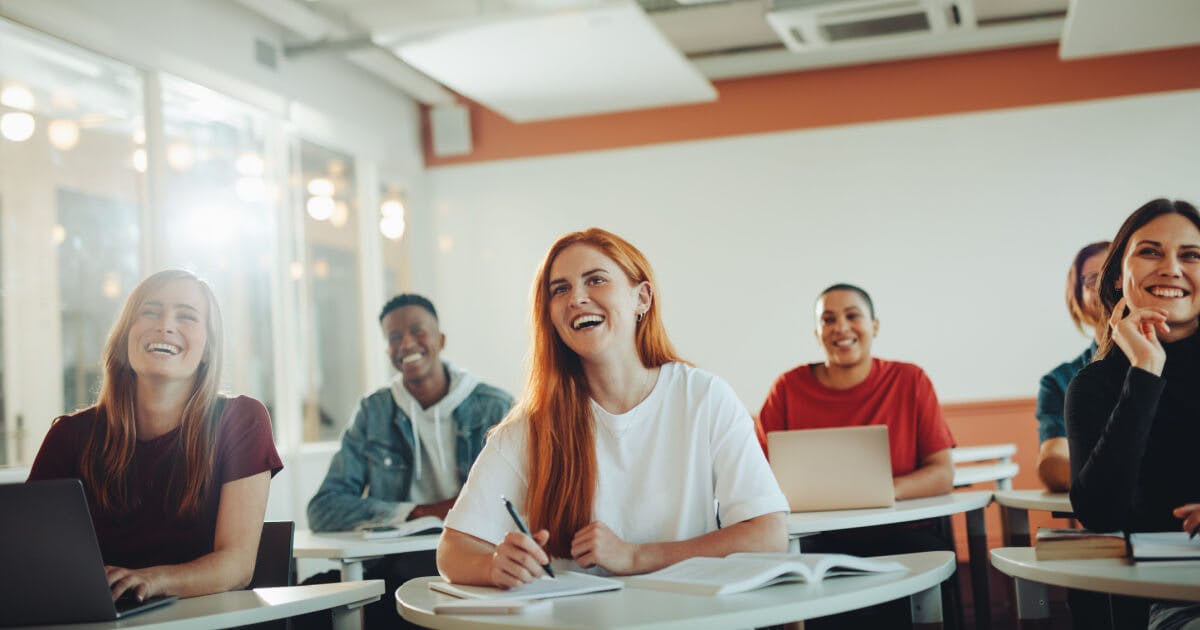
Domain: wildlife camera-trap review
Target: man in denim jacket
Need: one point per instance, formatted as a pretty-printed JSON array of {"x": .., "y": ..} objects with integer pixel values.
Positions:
[{"x": 411, "y": 444}]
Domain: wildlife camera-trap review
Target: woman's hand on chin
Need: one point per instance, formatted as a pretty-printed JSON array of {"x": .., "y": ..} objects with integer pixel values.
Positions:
[
  {"x": 1137, "y": 335},
  {"x": 141, "y": 583},
  {"x": 597, "y": 545}
]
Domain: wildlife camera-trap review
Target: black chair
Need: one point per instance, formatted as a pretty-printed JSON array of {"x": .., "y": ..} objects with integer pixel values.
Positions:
[{"x": 273, "y": 566}]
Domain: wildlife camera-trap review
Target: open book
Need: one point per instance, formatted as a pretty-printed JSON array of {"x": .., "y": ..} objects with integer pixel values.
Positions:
[
  {"x": 422, "y": 525},
  {"x": 740, "y": 572},
  {"x": 1164, "y": 546},
  {"x": 567, "y": 583}
]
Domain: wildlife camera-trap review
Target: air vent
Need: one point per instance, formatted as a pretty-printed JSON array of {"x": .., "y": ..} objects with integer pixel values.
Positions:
[
  {"x": 807, "y": 24},
  {"x": 264, "y": 53}
]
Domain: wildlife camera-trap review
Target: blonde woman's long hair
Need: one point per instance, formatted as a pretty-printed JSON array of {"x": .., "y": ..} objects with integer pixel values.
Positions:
[{"x": 110, "y": 447}]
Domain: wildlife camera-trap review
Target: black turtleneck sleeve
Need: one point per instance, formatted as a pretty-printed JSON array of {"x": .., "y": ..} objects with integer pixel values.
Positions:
[{"x": 1132, "y": 435}]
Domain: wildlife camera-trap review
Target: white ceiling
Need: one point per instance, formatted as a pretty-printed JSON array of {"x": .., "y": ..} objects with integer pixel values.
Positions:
[{"x": 532, "y": 59}]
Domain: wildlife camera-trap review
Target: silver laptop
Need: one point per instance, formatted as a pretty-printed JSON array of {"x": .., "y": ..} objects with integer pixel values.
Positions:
[
  {"x": 845, "y": 468},
  {"x": 53, "y": 572}
]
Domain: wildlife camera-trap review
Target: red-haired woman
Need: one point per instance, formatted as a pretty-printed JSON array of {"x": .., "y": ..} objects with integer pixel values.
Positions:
[
  {"x": 618, "y": 449},
  {"x": 176, "y": 476}
]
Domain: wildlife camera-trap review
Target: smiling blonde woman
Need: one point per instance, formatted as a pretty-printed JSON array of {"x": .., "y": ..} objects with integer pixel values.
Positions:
[{"x": 176, "y": 475}]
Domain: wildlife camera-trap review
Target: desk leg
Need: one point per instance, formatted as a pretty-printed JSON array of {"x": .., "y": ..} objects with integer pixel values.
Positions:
[
  {"x": 1033, "y": 605},
  {"x": 349, "y": 617},
  {"x": 927, "y": 607},
  {"x": 977, "y": 549},
  {"x": 352, "y": 570},
  {"x": 1018, "y": 527}
]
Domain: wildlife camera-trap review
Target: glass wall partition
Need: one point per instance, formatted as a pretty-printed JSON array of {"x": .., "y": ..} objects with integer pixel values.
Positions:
[
  {"x": 330, "y": 274},
  {"x": 71, "y": 199},
  {"x": 392, "y": 219},
  {"x": 219, "y": 221},
  {"x": 92, "y": 200}
]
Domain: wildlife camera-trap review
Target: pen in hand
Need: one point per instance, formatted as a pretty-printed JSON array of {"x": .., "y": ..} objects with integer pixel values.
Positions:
[{"x": 524, "y": 530}]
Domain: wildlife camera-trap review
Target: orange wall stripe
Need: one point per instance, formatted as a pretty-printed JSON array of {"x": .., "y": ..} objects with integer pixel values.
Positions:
[{"x": 842, "y": 96}]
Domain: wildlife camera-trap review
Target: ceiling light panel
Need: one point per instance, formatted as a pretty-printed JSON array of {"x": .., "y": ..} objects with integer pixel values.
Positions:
[
  {"x": 606, "y": 58},
  {"x": 1106, "y": 27}
]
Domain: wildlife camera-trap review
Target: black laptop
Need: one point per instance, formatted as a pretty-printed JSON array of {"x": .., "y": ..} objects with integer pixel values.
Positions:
[{"x": 51, "y": 570}]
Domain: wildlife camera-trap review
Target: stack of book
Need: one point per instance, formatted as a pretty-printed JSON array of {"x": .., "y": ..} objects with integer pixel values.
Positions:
[{"x": 1074, "y": 544}]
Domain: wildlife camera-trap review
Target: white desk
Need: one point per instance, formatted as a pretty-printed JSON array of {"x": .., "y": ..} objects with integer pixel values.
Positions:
[
  {"x": 13, "y": 474},
  {"x": 1015, "y": 506},
  {"x": 1002, "y": 452},
  {"x": 1002, "y": 474},
  {"x": 239, "y": 608},
  {"x": 351, "y": 549},
  {"x": 1115, "y": 576},
  {"x": 659, "y": 610},
  {"x": 971, "y": 503}
]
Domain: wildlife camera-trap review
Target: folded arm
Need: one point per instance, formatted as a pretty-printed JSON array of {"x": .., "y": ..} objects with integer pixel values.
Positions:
[
  {"x": 597, "y": 545},
  {"x": 339, "y": 504},
  {"x": 1107, "y": 441},
  {"x": 1054, "y": 464}
]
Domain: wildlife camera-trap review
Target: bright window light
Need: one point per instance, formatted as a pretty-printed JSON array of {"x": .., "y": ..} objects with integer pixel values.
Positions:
[{"x": 17, "y": 126}]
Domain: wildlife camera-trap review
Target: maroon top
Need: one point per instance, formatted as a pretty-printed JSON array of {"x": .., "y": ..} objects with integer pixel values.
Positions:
[{"x": 151, "y": 534}]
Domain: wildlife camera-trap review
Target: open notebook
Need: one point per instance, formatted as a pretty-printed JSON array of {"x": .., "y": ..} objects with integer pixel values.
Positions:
[
  {"x": 567, "y": 583},
  {"x": 415, "y": 527},
  {"x": 1163, "y": 546},
  {"x": 747, "y": 571}
]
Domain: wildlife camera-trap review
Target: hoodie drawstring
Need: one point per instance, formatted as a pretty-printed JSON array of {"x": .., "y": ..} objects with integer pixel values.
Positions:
[
  {"x": 437, "y": 434},
  {"x": 412, "y": 420}
]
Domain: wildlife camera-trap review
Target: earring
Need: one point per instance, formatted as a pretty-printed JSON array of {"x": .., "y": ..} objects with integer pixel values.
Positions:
[{"x": 639, "y": 317}]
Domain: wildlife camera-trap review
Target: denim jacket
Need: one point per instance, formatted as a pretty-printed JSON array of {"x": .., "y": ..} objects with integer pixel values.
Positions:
[{"x": 377, "y": 456}]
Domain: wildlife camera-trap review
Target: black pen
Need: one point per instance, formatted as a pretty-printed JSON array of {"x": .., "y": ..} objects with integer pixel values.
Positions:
[{"x": 512, "y": 511}]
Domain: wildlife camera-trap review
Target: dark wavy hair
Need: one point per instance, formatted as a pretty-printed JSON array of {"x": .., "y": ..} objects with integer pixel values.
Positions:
[{"x": 1075, "y": 284}]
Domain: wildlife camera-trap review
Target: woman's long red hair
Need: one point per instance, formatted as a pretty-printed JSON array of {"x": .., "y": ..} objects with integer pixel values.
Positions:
[{"x": 562, "y": 454}]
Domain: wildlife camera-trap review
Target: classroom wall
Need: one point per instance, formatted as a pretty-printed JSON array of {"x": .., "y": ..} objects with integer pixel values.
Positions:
[{"x": 962, "y": 227}]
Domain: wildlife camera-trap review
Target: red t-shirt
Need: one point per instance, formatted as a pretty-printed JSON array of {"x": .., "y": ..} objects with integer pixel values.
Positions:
[
  {"x": 152, "y": 534},
  {"x": 895, "y": 394}
]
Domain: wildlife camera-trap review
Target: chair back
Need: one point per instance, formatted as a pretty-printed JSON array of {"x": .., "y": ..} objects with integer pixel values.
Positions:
[{"x": 273, "y": 567}]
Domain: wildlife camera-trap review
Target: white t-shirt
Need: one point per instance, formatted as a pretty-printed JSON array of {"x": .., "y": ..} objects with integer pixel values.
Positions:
[{"x": 660, "y": 466}]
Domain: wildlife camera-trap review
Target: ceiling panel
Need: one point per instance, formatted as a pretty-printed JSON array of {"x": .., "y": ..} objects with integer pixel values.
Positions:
[
  {"x": 1105, "y": 27},
  {"x": 568, "y": 63}
]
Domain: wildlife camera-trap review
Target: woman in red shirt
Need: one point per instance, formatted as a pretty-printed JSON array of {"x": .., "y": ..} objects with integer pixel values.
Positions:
[
  {"x": 176, "y": 476},
  {"x": 852, "y": 388}
]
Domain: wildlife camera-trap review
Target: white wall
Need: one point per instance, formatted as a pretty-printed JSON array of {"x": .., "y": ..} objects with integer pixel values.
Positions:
[{"x": 961, "y": 227}]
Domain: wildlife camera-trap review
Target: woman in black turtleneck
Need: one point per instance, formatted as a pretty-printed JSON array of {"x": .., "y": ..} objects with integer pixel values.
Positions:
[{"x": 1133, "y": 415}]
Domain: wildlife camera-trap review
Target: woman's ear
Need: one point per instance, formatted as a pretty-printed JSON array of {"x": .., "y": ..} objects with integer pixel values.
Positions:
[{"x": 645, "y": 296}]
